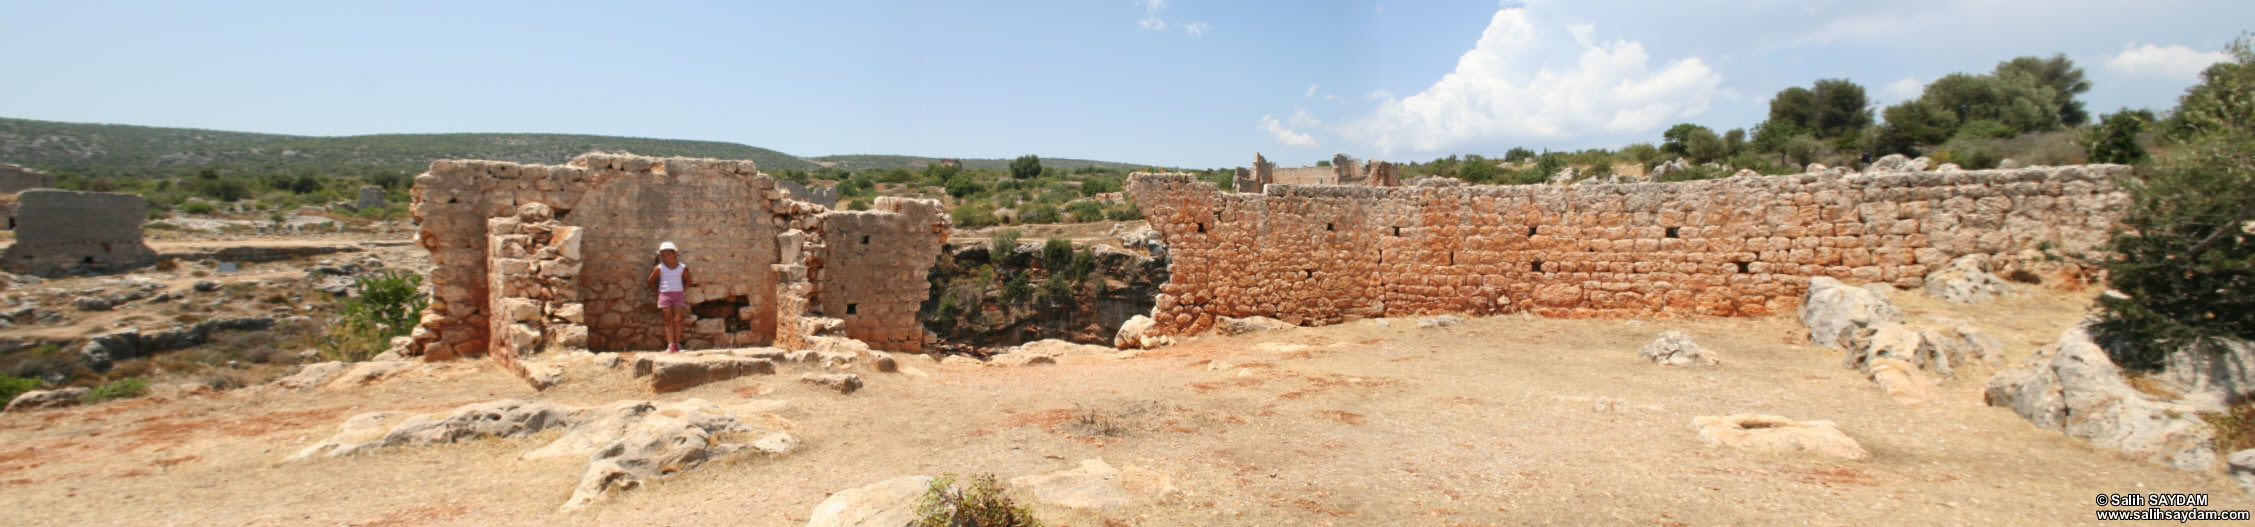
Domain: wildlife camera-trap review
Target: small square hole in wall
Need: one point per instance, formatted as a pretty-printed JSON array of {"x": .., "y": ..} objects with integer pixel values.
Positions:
[
  {"x": 1743, "y": 267},
  {"x": 1671, "y": 233},
  {"x": 1201, "y": 228},
  {"x": 1530, "y": 230},
  {"x": 865, "y": 237},
  {"x": 853, "y": 308},
  {"x": 1534, "y": 266},
  {"x": 1330, "y": 227},
  {"x": 1397, "y": 231}
]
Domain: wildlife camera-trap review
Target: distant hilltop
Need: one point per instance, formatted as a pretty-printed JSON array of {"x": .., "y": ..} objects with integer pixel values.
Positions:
[{"x": 111, "y": 150}]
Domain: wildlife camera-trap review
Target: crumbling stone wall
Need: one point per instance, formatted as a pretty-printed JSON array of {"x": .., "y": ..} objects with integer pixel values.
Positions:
[
  {"x": 827, "y": 197},
  {"x": 18, "y": 178},
  {"x": 868, "y": 269},
  {"x": 1729, "y": 247},
  {"x": 1344, "y": 170},
  {"x": 489, "y": 257},
  {"x": 59, "y": 231}
]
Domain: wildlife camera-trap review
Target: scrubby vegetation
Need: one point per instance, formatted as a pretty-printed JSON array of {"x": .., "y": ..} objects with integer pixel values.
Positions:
[
  {"x": 11, "y": 386},
  {"x": 980, "y": 502},
  {"x": 126, "y": 388},
  {"x": 2186, "y": 261},
  {"x": 384, "y": 304}
]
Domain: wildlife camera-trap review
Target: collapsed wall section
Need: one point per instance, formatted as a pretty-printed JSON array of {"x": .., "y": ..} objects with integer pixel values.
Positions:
[{"x": 1731, "y": 247}]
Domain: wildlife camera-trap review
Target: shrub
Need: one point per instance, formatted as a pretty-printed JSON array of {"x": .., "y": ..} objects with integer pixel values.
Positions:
[
  {"x": 384, "y": 305},
  {"x": 1017, "y": 287},
  {"x": 10, "y": 387},
  {"x": 1005, "y": 241},
  {"x": 973, "y": 214},
  {"x": 1057, "y": 288},
  {"x": 126, "y": 388},
  {"x": 1056, "y": 253},
  {"x": 1094, "y": 186},
  {"x": 1037, "y": 213},
  {"x": 1085, "y": 211},
  {"x": 981, "y": 504},
  {"x": 2115, "y": 140},
  {"x": 1694, "y": 173},
  {"x": 197, "y": 207},
  {"x": 1124, "y": 212}
]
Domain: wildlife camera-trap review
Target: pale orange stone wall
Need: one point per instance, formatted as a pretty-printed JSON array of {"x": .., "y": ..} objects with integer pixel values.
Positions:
[{"x": 1316, "y": 255}]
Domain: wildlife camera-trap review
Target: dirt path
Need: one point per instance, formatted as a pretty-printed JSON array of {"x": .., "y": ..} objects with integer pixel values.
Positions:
[{"x": 1488, "y": 423}]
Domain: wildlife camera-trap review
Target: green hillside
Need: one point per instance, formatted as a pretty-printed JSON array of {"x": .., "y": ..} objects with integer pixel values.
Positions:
[
  {"x": 123, "y": 151},
  {"x": 879, "y": 161}
]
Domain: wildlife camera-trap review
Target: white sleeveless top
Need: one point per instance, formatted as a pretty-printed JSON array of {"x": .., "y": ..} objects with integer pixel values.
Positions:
[{"x": 669, "y": 280}]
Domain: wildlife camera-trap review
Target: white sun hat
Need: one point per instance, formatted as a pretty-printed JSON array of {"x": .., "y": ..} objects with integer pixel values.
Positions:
[{"x": 667, "y": 246}]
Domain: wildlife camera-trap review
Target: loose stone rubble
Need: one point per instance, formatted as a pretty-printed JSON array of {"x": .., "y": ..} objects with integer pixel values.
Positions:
[
  {"x": 1318, "y": 255},
  {"x": 627, "y": 443},
  {"x": 1343, "y": 171},
  {"x": 1675, "y": 348},
  {"x": 534, "y": 258}
]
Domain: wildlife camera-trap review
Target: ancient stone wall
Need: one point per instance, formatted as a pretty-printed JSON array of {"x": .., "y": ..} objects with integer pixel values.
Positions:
[
  {"x": 1730, "y": 247},
  {"x": 1344, "y": 170},
  {"x": 724, "y": 215},
  {"x": 868, "y": 269},
  {"x": 59, "y": 231},
  {"x": 827, "y": 197},
  {"x": 19, "y": 178}
]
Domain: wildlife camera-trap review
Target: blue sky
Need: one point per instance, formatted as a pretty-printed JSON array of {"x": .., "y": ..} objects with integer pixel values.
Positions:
[{"x": 1196, "y": 83}]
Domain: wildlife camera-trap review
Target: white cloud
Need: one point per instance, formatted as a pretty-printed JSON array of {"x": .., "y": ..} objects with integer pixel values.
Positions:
[
  {"x": 1502, "y": 92},
  {"x": 2171, "y": 62},
  {"x": 1903, "y": 90},
  {"x": 1582, "y": 33},
  {"x": 1301, "y": 118},
  {"x": 1196, "y": 29},
  {"x": 1333, "y": 97},
  {"x": 1379, "y": 95},
  {"x": 1311, "y": 90},
  {"x": 1152, "y": 24},
  {"x": 1286, "y": 136}
]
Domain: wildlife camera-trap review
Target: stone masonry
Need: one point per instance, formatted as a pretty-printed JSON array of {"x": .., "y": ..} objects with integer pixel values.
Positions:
[
  {"x": 535, "y": 257},
  {"x": 1343, "y": 171},
  {"x": 1742, "y": 246},
  {"x": 60, "y": 231},
  {"x": 18, "y": 178}
]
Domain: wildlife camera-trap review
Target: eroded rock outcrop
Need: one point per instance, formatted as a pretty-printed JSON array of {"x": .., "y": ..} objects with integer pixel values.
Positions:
[
  {"x": 1966, "y": 280},
  {"x": 1777, "y": 434},
  {"x": 1675, "y": 348},
  {"x": 2074, "y": 388},
  {"x": 1834, "y": 311}
]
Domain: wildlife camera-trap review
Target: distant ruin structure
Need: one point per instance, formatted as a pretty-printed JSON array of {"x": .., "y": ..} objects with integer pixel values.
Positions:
[
  {"x": 371, "y": 197},
  {"x": 63, "y": 231},
  {"x": 536, "y": 257},
  {"x": 827, "y": 197},
  {"x": 18, "y": 178},
  {"x": 1343, "y": 171},
  {"x": 1741, "y": 246}
]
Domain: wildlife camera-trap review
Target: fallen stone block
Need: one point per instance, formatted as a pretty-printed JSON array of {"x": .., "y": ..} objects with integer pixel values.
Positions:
[
  {"x": 671, "y": 372},
  {"x": 1230, "y": 326},
  {"x": 888, "y": 503},
  {"x": 844, "y": 383}
]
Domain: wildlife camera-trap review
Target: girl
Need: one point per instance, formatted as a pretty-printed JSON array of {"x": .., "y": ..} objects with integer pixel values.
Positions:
[{"x": 671, "y": 279}]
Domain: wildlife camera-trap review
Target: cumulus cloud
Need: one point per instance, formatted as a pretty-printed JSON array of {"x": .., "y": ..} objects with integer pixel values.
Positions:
[
  {"x": 1311, "y": 90},
  {"x": 1284, "y": 135},
  {"x": 1196, "y": 29},
  {"x": 2171, "y": 62},
  {"x": 1151, "y": 20},
  {"x": 1502, "y": 92},
  {"x": 1301, "y": 118}
]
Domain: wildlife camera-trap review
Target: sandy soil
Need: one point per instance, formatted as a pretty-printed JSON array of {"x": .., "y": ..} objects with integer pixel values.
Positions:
[{"x": 1369, "y": 423}]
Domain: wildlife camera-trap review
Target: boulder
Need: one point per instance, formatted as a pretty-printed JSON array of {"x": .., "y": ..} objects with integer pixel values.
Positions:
[
  {"x": 2073, "y": 387},
  {"x": 1903, "y": 382},
  {"x": 504, "y": 418},
  {"x": 1060, "y": 348},
  {"x": 1229, "y": 326},
  {"x": 37, "y": 399},
  {"x": 1886, "y": 340},
  {"x": 1890, "y": 163},
  {"x": 1918, "y": 164},
  {"x": 1138, "y": 333},
  {"x": 1675, "y": 348},
  {"x": 844, "y": 383},
  {"x": 1777, "y": 434},
  {"x": 888, "y": 503},
  {"x": 1096, "y": 485},
  {"x": 1966, "y": 280},
  {"x": 2212, "y": 373},
  {"x": 1021, "y": 358},
  {"x": 1833, "y": 311},
  {"x": 665, "y": 441}
]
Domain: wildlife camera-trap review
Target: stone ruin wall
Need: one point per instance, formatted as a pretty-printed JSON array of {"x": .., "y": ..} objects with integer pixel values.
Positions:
[
  {"x": 1745, "y": 246},
  {"x": 18, "y": 178},
  {"x": 535, "y": 257},
  {"x": 1343, "y": 171},
  {"x": 59, "y": 231}
]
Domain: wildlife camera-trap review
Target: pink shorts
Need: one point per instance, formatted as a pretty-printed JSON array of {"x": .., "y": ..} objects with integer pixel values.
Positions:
[{"x": 670, "y": 299}]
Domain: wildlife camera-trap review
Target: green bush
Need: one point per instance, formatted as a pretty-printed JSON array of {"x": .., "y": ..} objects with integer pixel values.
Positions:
[
  {"x": 1085, "y": 211},
  {"x": 980, "y": 504},
  {"x": 1694, "y": 173},
  {"x": 385, "y": 304},
  {"x": 1099, "y": 185},
  {"x": 126, "y": 388},
  {"x": 197, "y": 207},
  {"x": 1005, "y": 247},
  {"x": 1017, "y": 288},
  {"x": 1084, "y": 261},
  {"x": 2115, "y": 140},
  {"x": 973, "y": 214},
  {"x": 10, "y": 387},
  {"x": 2186, "y": 260},
  {"x": 1056, "y": 253},
  {"x": 1124, "y": 212},
  {"x": 1037, "y": 213}
]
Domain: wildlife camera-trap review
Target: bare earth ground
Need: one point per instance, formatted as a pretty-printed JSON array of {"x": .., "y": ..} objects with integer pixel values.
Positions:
[{"x": 1492, "y": 422}]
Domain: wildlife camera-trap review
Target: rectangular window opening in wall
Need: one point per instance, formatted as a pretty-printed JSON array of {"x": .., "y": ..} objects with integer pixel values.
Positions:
[
  {"x": 1330, "y": 227},
  {"x": 1743, "y": 267},
  {"x": 1452, "y": 257},
  {"x": 853, "y": 309},
  {"x": 1672, "y": 232},
  {"x": 1534, "y": 266},
  {"x": 1201, "y": 228},
  {"x": 865, "y": 239},
  {"x": 1397, "y": 231},
  {"x": 1530, "y": 230}
]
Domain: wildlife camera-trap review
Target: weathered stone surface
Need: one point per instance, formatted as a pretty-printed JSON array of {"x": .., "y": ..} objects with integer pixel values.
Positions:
[
  {"x": 2073, "y": 387},
  {"x": 506, "y": 418},
  {"x": 366, "y": 373},
  {"x": 1777, "y": 434},
  {"x": 844, "y": 383},
  {"x": 1253, "y": 324},
  {"x": 1139, "y": 333},
  {"x": 1675, "y": 348},
  {"x": 1902, "y": 381},
  {"x": 61, "y": 231},
  {"x": 1834, "y": 311},
  {"x": 888, "y": 503},
  {"x": 675, "y": 372},
  {"x": 2243, "y": 469},
  {"x": 1441, "y": 321},
  {"x": 2212, "y": 373},
  {"x": 1966, "y": 280},
  {"x": 18, "y": 178},
  {"x": 1885, "y": 340},
  {"x": 311, "y": 376},
  {"x": 36, "y": 399},
  {"x": 1096, "y": 485}
]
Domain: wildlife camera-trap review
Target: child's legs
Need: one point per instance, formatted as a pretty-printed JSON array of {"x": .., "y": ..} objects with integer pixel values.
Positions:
[{"x": 674, "y": 316}]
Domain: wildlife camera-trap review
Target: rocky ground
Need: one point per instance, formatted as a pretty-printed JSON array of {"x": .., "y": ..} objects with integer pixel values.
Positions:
[{"x": 1489, "y": 421}]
